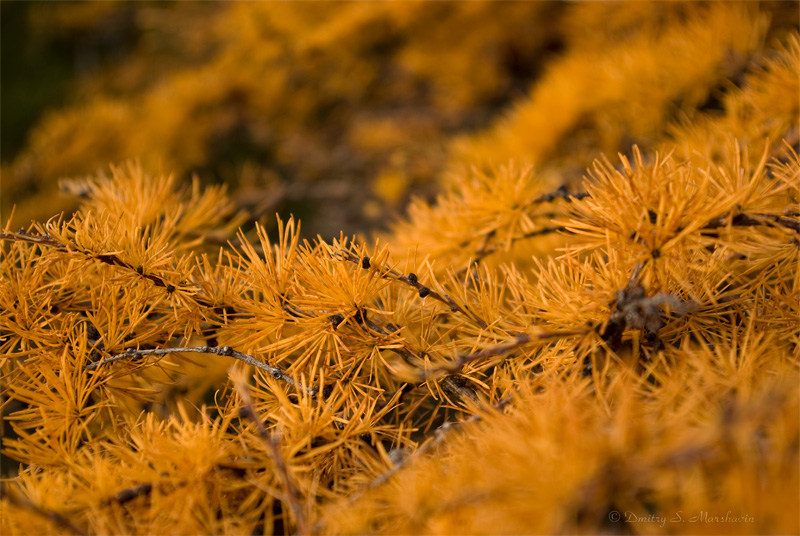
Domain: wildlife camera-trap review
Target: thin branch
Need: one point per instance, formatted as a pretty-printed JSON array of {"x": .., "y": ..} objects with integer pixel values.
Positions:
[
  {"x": 537, "y": 232},
  {"x": 484, "y": 243},
  {"x": 106, "y": 258},
  {"x": 412, "y": 281},
  {"x": 129, "y": 494},
  {"x": 440, "y": 434},
  {"x": 403, "y": 351},
  {"x": 744, "y": 220},
  {"x": 520, "y": 339},
  {"x": 560, "y": 193},
  {"x": 51, "y": 515},
  {"x": 484, "y": 251},
  {"x": 275, "y": 372},
  {"x": 739, "y": 220},
  {"x": 23, "y": 236},
  {"x": 146, "y": 489},
  {"x": 273, "y": 448}
]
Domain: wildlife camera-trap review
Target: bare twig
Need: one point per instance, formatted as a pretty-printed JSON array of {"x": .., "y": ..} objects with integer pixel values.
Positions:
[
  {"x": 744, "y": 220},
  {"x": 23, "y": 236},
  {"x": 439, "y": 435},
  {"x": 51, "y": 515},
  {"x": 412, "y": 281},
  {"x": 273, "y": 448},
  {"x": 485, "y": 250},
  {"x": 106, "y": 258},
  {"x": 738, "y": 220},
  {"x": 129, "y": 494},
  {"x": 275, "y": 372},
  {"x": 560, "y": 193},
  {"x": 520, "y": 339},
  {"x": 408, "y": 355}
]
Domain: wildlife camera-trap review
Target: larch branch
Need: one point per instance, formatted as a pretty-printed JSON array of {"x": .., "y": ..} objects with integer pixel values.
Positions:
[
  {"x": 273, "y": 449},
  {"x": 51, "y": 515},
  {"x": 132, "y": 353}
]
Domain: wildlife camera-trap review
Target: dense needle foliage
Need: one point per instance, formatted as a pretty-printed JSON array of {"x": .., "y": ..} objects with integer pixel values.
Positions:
[{"x": 545, "y": 348}]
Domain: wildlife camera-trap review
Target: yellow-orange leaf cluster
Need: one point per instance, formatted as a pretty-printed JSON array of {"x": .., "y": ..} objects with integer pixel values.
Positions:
[{"x": 542, "y": 349}]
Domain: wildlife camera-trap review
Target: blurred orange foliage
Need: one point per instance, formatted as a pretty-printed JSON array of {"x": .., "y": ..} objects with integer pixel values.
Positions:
[{"x": 592, "y": 328}]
